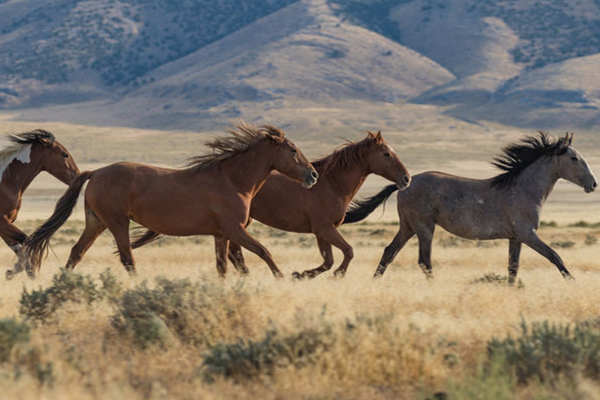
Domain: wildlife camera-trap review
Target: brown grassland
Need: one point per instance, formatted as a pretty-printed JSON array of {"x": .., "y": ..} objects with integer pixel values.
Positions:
[{"x": 176, "y": 331}]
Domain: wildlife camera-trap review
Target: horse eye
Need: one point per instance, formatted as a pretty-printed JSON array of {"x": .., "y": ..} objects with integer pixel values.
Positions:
[
  {"x": 294, "y": 151},
  {"x": 65, "y": 155},
  {"x": 574, "y": 158},
  {"x": 386, "y": 154}
]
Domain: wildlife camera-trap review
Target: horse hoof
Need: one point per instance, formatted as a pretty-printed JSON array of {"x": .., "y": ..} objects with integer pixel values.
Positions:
[
  {"x": 9, "y": 275},
  {"x": 339, "y": 274},
  {"x": 297, "y": 276}
]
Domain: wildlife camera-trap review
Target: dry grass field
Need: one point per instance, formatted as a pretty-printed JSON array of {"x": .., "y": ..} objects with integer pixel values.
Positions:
[{"x": 176, "y": 331}]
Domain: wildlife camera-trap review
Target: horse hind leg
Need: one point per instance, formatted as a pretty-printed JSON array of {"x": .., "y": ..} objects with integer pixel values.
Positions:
[
  {"x": 514, "y": 252},
  {"x": 326, "y": 253},
  {"x": 391, "y": 251},
  {"x": 425, "y": 236},
  {"x": 93, "y": 228},
  {"x": 119, "y": 227},
  {"x": 221, "y": 250},
  {"x": 236, "y": 257}
]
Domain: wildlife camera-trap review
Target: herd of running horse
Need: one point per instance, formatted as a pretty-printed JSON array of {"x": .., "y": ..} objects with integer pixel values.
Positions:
[{"x": 257, "y": 173}]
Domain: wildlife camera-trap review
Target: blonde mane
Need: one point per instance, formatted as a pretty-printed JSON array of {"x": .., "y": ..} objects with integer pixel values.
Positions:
[
  {"x": 242, "y": 137},
  {"x": 18, "y": 147},
  {"x": 10, "y": 151}
]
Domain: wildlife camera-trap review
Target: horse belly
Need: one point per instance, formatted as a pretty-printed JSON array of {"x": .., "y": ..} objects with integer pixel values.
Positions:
[
  {"x": 176, "y": 218},
  {"x": 473, "y": 226}
]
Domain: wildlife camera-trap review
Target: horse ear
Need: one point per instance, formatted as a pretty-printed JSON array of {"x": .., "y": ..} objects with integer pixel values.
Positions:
[
  {"x": 375, "y": 136},
  {"x": 570, "y": 141}
]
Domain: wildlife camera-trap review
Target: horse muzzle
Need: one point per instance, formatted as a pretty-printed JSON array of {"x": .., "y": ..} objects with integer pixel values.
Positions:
[
  {"x": 310, "y": 179},
  {"x": 591, "y": 187},
  {"x": 403, "y": 182}
]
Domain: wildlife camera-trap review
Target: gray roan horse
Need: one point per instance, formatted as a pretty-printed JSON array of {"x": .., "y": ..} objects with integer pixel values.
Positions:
[{"x": 506, "y": 206}]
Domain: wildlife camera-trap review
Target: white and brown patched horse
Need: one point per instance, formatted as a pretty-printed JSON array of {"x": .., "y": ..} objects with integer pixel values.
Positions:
[
  {"x": 506, "y": 206},
  {"x": 22, "y": 158}
]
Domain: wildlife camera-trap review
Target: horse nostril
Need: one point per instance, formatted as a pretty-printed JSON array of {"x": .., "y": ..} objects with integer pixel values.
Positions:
[
  {"x": 314, "y": 174},
  {"x": 595, "y": 185},
  {"x": 406, "y": 179}
]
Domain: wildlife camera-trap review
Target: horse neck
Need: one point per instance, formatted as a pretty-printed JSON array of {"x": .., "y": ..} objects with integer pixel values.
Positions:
[
  {"x": 19, "y": 174},
  {"x": 248, "y": 170},
  {"x": 538, "y": 180},
  {"x": 345, "y": 180}
]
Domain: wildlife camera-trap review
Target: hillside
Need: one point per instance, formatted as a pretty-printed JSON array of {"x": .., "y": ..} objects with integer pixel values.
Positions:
[{"x": 190, "y": 64}]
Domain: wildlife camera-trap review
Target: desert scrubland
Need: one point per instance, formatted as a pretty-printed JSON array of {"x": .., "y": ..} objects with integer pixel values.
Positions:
[{"x": 178, "y": 331}]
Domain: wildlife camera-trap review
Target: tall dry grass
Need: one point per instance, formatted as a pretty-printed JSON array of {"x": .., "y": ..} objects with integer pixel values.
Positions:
[{"x": 401, "y": 337}]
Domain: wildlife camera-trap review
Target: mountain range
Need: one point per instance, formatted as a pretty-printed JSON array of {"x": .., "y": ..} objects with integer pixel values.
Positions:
[{"x": 311, "y": 64}]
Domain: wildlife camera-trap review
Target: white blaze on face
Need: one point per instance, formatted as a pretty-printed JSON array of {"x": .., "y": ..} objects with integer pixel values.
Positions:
[{"x": 22, "y": 154}]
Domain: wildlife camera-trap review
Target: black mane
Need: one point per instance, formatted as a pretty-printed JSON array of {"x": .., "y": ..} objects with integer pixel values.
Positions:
[
  {"x": 519, "y": 156},
  {"x": 34, "y": 136}
]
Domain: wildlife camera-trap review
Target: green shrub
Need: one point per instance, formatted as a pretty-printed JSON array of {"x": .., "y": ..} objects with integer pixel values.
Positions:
[
  {"x": 12, "y": 332},
  {"x": 111, "y": 287},
  {"x": 67, "y": 286},
  {"x": 248, "y": 359},
  {"x": 546, "y": 352},
  {"x": 194, "y": 313}
]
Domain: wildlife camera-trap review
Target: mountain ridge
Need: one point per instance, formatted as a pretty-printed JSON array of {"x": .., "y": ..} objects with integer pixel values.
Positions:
[{"x": 185, "y": 64}]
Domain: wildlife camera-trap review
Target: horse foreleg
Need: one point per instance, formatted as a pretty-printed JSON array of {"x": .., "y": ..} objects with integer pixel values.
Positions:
[
  {"x": 334, "y": 238},
  {"x": 514, "y": 252},
  {"x": 326, "y": 253},
  {"x": 532, "y": 240},
  {"x": 237, "y": 258},
  {"x": 239, "y": 235},
  {"x": 14, "y": 238},
  {"x": 392, "y": 250},
  {"x": 221, "y": 248}
]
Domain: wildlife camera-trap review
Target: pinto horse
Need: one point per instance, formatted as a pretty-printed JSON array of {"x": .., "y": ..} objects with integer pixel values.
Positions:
[
  {"x": 506, "y": 206},
  {"x": 210, "y": 197},
  {"x": 22, "y": 158},
  {"x": 284, "y": 204}
]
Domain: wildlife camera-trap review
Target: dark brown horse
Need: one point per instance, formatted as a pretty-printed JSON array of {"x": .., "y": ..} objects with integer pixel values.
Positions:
[
  {"x": 284, "y": 204},
  {"x": 22, "y": 158},
  {"x": 506, "y": 206},
  {"x": 210, "y": 197}
]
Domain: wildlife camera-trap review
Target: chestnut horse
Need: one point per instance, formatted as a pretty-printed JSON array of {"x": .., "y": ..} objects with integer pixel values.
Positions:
[
  {"x": 210, "y": 197},
  {"x": 506, "y": 206},
  {"x": 284, "y": 204},
  {"x": 22, "y": 158}
]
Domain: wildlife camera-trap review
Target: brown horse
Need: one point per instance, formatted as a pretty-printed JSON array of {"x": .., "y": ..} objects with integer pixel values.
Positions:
[
  {"x": 506, "y": 206},
  {"x": 210, "y": 197},
  {"x": 22, "y": 158},
  {"x": 284, "y": 204}
]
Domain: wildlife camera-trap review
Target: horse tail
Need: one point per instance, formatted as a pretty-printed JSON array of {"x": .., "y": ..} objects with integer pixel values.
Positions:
[
  {"x": 145, "y": 238},
  {"x": 360, "y": 210},
  {"x": 36, "y": 245}
]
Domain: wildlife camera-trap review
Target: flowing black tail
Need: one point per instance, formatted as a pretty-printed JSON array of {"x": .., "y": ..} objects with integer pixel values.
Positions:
[
  {"x": 36, "y": 245},
  {"x": 145, "y": 238},
  {"x": 359, "y": 210}
]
